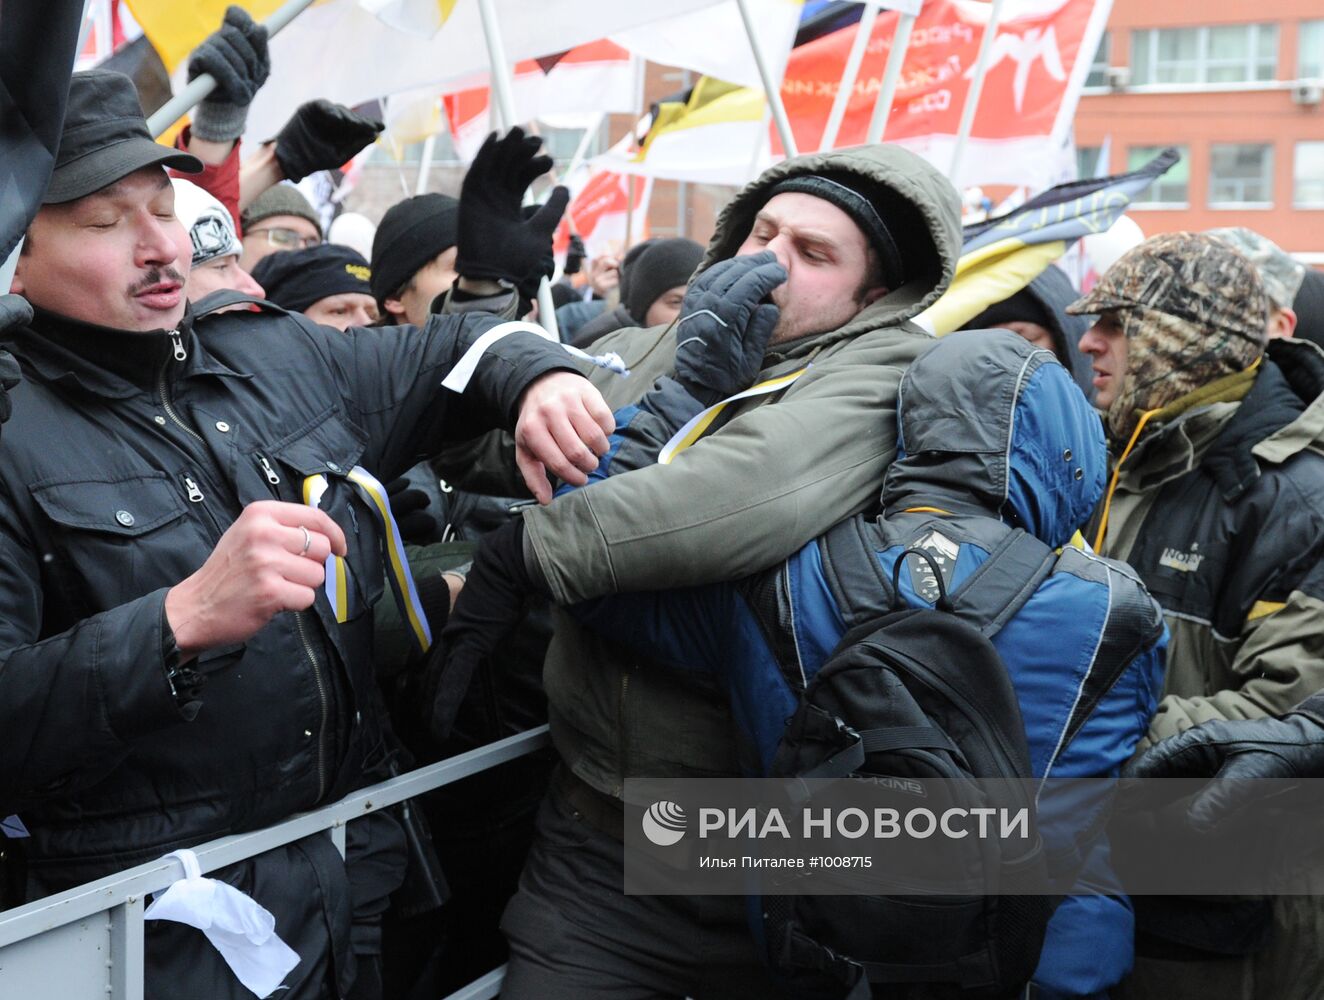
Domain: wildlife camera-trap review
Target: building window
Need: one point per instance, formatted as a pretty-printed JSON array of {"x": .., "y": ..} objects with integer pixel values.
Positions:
[
  {"x": 1098, "y": 76},
  {"x": 1308, "y": 175},
  {"x": 1240, "y": 174},
  {"x": 1231, "y": 53},
  {"x": 1168, "y": 191},
  {"x": 1087, "y": 161},
  {"x": 1310, "y": 51}
]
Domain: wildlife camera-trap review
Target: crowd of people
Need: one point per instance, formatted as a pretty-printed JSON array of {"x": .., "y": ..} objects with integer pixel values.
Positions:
[{"x": 226, "y": 438}]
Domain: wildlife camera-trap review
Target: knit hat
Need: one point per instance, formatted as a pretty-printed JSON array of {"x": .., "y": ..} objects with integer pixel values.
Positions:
[
  {"x": 279, "y": 199},
  {"x": 208, "y": 222},
  {"x": 663, "y": 265},
  {"x": 295, "y": 279},
  {"x": 1309, "y": 307},
  {"x": 1193, "y": 310},
  {"x": 411, "y": 233},
  {"x": 867, "y": 208}
]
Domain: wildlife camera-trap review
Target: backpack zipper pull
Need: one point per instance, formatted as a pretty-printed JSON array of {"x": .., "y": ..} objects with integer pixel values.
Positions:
[
  {"x": 194, "y": 494},
  {"x": 267, "y": 470},
  {"x": 178, "y": 343}
]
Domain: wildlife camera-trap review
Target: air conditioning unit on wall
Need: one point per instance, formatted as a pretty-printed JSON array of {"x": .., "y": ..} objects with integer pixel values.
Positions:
[
  {"x": 1117, "y": 77},
  {"x": 1308, "y": 94}
]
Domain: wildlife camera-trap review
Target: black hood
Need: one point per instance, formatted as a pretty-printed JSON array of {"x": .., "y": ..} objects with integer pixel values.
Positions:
[{"x": 1044, "y": 301}]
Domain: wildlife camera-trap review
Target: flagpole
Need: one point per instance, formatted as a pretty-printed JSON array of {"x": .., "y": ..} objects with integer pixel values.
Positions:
[
  {"x": 502, "y": 90},
  {"x": 976, "y": 88},
  {"x": 896, "y": 58},
  {"x": 771, "y": 87},
  {"x": 184, "y": 102},
  {"x": 863, "y": 32},
  {"x": 425, "y": 164}
]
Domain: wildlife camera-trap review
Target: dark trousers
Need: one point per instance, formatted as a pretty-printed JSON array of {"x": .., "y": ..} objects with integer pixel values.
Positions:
[{"x": 575, "y": 935}]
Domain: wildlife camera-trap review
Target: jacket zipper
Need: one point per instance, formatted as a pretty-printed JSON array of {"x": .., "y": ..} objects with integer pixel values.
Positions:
[
  {"x": 322, "y": 699},
  {"x": 267, "y": 470},
  {"x": 163, "y": 386}
]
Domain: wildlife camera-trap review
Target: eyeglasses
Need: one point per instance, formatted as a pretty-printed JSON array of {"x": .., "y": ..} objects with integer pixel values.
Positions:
[{"x": 286, "y": 239}]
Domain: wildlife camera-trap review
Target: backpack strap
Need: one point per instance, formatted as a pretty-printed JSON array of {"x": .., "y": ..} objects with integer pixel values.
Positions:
[{"x": 1001, "y": 585}]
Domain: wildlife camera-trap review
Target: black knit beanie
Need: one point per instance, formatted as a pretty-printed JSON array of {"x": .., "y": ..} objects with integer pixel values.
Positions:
[
  {"x": 663, "y": 265},
  {"x": 411, "y": 233},
  {"x": 1309, "y": 308},
  {"x": 295, "y": 279},
  {"x": 891, "y": 223}
]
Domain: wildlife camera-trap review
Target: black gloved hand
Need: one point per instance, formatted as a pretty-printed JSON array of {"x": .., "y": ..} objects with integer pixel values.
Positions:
[
  {"x": 575, "y": 255},
  {"x": 491, "y": 604},
  {"x": 322, "y": 136},
  {"x": 409, "y": 507},
  {"x": 14, "y": 312},
  {"x": 494, "y": 241},
  {"x": 725, "y": 324},
  {"x": 1231, "y": 752},
  {"x": 236, "y": 55}
]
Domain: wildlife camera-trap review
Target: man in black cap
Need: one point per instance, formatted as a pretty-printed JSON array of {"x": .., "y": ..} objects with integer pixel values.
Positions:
[
  {"x": 413, "y": 256},
  {"x": 329, "y": 284},
  {"x": 172, "y": 485}
]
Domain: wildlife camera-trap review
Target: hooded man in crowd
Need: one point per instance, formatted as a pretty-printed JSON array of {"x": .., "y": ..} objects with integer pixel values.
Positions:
[
  {"x": 861, "y": 240},
  {"x": 1214, "y": 499}
]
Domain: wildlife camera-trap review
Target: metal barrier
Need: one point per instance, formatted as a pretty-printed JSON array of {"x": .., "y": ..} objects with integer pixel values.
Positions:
[{"x": 87, "y": 942}]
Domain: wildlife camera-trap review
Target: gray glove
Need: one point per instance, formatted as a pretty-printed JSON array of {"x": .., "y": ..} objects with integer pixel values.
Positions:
[
  {"x": 14, "y": 311},
  {"x": 236, "y": 55},
  {"x": 725, "y": 325},
  {"x": 1234, "y": 754}
]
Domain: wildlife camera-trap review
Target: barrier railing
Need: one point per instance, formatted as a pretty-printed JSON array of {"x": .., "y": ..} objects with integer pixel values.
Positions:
[{"x": 87, "y": 942}]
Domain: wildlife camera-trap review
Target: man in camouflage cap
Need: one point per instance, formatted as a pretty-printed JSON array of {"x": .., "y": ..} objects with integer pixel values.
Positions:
[
  {"x": 1175, "y": 313},
  {"x": 1216, "y": 464},
  {"x": 1280, "y": 273}
]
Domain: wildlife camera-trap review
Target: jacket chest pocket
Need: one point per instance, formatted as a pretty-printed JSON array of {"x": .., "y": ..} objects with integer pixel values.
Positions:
[
  {"x": 112, "y": 541},
  {"x": 318, "y": 462},
  {"x": 1187, "y": 578}
]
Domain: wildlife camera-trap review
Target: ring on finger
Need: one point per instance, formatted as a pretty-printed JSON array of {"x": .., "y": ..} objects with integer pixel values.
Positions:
[{"x": 307, "y": 541}]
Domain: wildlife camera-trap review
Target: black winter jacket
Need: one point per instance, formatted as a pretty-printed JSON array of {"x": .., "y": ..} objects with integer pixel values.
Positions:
[{"x": 127, "y": 457}]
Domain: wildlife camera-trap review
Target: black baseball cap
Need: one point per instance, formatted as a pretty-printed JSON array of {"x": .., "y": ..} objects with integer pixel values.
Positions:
[{"x": 105, "y": 137}]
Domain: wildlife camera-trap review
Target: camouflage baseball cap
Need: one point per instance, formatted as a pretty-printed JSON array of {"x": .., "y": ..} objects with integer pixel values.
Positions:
[
  {"x": 1189, "y": 276},
  {"x": 1280, "y": 274},
  {"x": 1192, "y": 309}
]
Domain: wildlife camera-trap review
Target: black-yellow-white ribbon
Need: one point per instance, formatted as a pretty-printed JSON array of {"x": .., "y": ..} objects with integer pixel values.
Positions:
[{"x": 393, "y": 555}]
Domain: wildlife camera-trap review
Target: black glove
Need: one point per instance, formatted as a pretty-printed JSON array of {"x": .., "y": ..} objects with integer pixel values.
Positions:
[
  {"x": 236, "y": 55},
  {"x": 322, "y": 136},
  {"x": 494, "y": 241},
  {"x": 575, "y": 255},
  {"x": 1285, "y": 749},
  {"x": 409, "y": 508},
  {"x": 491, "y": 604},
  {"x": 725, "y": 324},
  {"x": 14, "y": 312}
]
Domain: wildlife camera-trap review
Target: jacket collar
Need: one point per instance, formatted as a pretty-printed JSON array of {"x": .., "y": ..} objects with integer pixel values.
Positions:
[{"x": 110, "y": 362}]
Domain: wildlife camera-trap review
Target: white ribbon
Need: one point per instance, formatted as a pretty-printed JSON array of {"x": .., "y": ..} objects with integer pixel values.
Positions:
[
  {"x": 458, "y": 379},
  {"x": 240, "y": 928}
]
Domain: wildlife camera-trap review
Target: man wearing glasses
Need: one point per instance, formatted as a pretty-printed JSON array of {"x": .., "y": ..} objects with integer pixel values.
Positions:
[{"x": 280, "y": 218}]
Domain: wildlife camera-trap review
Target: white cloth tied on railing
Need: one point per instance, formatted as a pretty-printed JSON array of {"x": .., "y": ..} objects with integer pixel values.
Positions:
[{"x": 239, "y": 927}]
